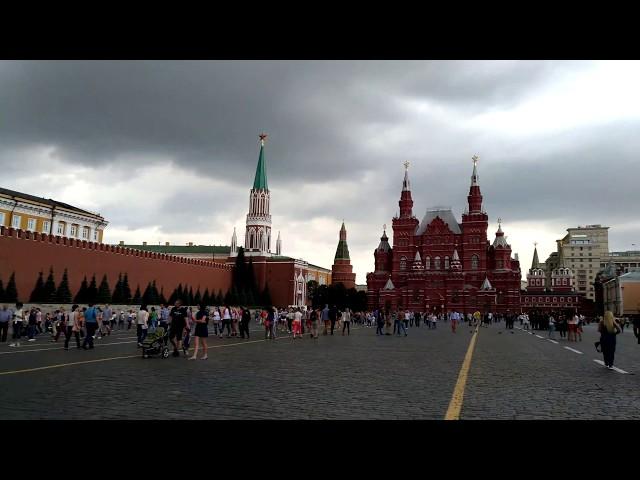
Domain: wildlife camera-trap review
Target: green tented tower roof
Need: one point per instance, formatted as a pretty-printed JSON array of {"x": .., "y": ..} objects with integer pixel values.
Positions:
[
  {"x": 342, "y": 252},
  {"x": 260, "y": 182}
]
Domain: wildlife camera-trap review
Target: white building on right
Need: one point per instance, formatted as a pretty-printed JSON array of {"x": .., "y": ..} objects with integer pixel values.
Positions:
[{"x": 586, "y": 251}]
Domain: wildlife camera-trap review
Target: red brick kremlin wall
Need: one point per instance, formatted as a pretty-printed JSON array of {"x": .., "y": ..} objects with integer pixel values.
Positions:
[{"x": 28, "y": 253}]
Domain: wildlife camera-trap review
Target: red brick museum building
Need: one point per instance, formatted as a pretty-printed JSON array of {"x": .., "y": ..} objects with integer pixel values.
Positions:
[{"x": 439, "y": 264}]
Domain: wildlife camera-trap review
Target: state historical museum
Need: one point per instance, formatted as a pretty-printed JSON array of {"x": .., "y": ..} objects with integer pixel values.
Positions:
[{"x": 440, "y": 265}]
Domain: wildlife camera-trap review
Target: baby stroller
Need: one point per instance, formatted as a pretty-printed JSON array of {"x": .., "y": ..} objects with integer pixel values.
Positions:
[{"x": 156, "y": 343}]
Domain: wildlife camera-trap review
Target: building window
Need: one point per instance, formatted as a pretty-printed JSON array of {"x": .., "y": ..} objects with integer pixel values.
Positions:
[
  {"x": 95, "y": 235},
  {"x": 31, "y": 224},
  {"x": 427, "y": 263},
  {"x": 403, "y": 263},
  {"x": 446, "y": 263},
  {"x": 564, "y": 281},
  {"x": 474, "y": 262},
  {"x": 499, "y": 263},
  {"x": 1, "y": 218},
  {"x": 547, "y": 299},
  {"x": 561, "y": 299},
  {"x": 45, "y": 226},
  {"x": 436, "y": 263},
  {"x": 73, "y": 232},
  {"x": 85, "y": 233},
  {"x": 16, "y": 221},
  {"x": 61, "y": 228}
]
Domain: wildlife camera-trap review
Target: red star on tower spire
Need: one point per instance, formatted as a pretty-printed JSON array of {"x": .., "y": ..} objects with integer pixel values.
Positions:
[{"x": 263, "y": 137}]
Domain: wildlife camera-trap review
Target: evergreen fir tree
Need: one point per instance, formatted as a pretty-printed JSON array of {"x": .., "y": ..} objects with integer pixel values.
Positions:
[
  {"x": 63, "y": 294},
  {"x": 174, "y": 296},
  {"x": 81, "y": 296},
  {"x": 92, "y": 291},
  {"x": 117, "y": 291},
  {"x": 228, "y": 298},
  {"x": 155, "y": 296},
  {"x": 49, "y": 291},
  {"x": 241, "y": 298},
  {"x": 250, "y": 298},
  {"x": 1, "y": 292},
  {"x": 251, "y": 280},
  {"x": 206, "y": 298},
  {"x": 11, "y": 292},
  {"x": 146, "y": 296},
  {"x": 266, "y": 296},
  {"x": 104, "y": 292},
  {"x": 37, "y": 295},
  {"x": 240, "y": 271},
  {"x": 197, "y": 298},
  {"x": 126, "y": 291},
  {"x": 136, "y": 297},
  {"x": 190, "y": 296},
  {"x": 219, "y": 298},
  {"x": 162, "y": 298}
]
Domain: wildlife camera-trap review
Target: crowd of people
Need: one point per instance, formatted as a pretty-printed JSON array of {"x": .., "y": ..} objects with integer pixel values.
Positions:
[{"x": 85, "y": 324}]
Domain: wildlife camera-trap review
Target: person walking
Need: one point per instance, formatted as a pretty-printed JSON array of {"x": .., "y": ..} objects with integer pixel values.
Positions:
[
  {"x": 153, "y": 320},
  {"x": 164, "y": 317},
  {"x": 267, "y": 326},
  {"x": 297, "y": 323},
  {"x": 552, "y": 327},
  {"x": 226, "y": 320},
  {"x": 572, "y": 324},
  {"x": 325, "y": 319},
  {"x": 91, "y": 324},
  {"x": 217, "y": 318},
  {"x": 313, "y": 318},
  {"x": 186, "y": 341},
  {"x": 72, "y": 327},
  {"x": 5, "y": 317},
  {"x": 178, "y": 315},
  {"x": 142, "y": 324},
  {"x": 107, "y": 313},
  {"x": 333, "y": 317},
  {"x": 201, "y": 332},
  {"x": 608, "y": 329},
  {"x": 407, "y": 319},
  {"x": 346, "y": 321},
  {"x": 289, "y": 320},
  {"x": 244, "y": 322},
  {"x": 379, "y": 317},
  {"x": 455, "y": 317},
  {"x": 636, "y": 327},
  {"x": 31, "y": 329}
]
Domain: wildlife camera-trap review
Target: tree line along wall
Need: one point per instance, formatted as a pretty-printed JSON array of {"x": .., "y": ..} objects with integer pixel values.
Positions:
[{"x": 26, "y": 254}]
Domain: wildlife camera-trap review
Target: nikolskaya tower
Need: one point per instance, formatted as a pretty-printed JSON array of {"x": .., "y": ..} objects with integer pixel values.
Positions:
[{"x": 257, "y": 237}]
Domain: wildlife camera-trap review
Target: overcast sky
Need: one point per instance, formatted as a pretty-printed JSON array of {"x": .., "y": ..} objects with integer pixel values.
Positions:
[{"x": 166, "y": 151}]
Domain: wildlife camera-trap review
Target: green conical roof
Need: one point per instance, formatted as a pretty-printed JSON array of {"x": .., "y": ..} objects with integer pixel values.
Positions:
[
  {"x": 342, "y": 252},
  {"x": 535, "y": 263},
  {"x": 260, "y": 182}
]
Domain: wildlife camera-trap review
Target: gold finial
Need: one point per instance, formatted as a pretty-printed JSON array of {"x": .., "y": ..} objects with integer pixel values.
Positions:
[
  {"x": 406, "y": 165},
  {"x": 475, "y": 159},
  {"x": 499, "y": 221}
]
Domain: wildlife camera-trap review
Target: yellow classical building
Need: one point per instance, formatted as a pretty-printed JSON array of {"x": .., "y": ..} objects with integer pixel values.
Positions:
[{"x": 44, "y": 215}]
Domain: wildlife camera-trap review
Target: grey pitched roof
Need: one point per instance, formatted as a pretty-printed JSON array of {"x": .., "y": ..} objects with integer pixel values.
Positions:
[
  {"x": 445, "y": 214},
  {"x": 47, "y": 201}
]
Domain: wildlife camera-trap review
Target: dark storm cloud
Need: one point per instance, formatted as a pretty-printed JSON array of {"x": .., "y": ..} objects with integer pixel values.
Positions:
[{"x": 338, "y": 129}]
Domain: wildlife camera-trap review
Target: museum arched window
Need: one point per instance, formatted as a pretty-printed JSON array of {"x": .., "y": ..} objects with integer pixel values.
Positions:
[
  {"x": 403, "y": 263},
  {"x": 436, "y": 263},
  {"x": 474, "y": 262},
  {"x": 446, "y": 263},
  {"x": 427, "y": 263}
]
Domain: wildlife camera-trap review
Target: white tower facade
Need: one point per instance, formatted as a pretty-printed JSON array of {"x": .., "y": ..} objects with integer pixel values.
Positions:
[{"x": 257, "y": 237}]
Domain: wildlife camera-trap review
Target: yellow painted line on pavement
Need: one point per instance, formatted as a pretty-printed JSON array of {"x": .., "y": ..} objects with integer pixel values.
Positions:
[{"x": 455, "y": 405}]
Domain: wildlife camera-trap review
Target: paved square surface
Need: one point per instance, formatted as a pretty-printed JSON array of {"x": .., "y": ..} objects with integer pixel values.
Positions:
[{"x": 361, "y": 376}]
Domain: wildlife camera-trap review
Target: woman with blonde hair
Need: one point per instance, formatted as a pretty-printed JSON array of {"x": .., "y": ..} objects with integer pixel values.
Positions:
[{"x": 608, "y": 329}]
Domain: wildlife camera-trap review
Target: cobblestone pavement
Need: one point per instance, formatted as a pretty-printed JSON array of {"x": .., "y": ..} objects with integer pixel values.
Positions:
[{"x": 361, "y": 376}]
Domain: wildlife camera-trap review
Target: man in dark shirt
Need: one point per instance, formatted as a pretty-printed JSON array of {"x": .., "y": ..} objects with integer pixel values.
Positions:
[
  {"x": 333, "y": 316},
  {"x": 244, "y": 322},
  {"x": 178, "y": 316}
]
